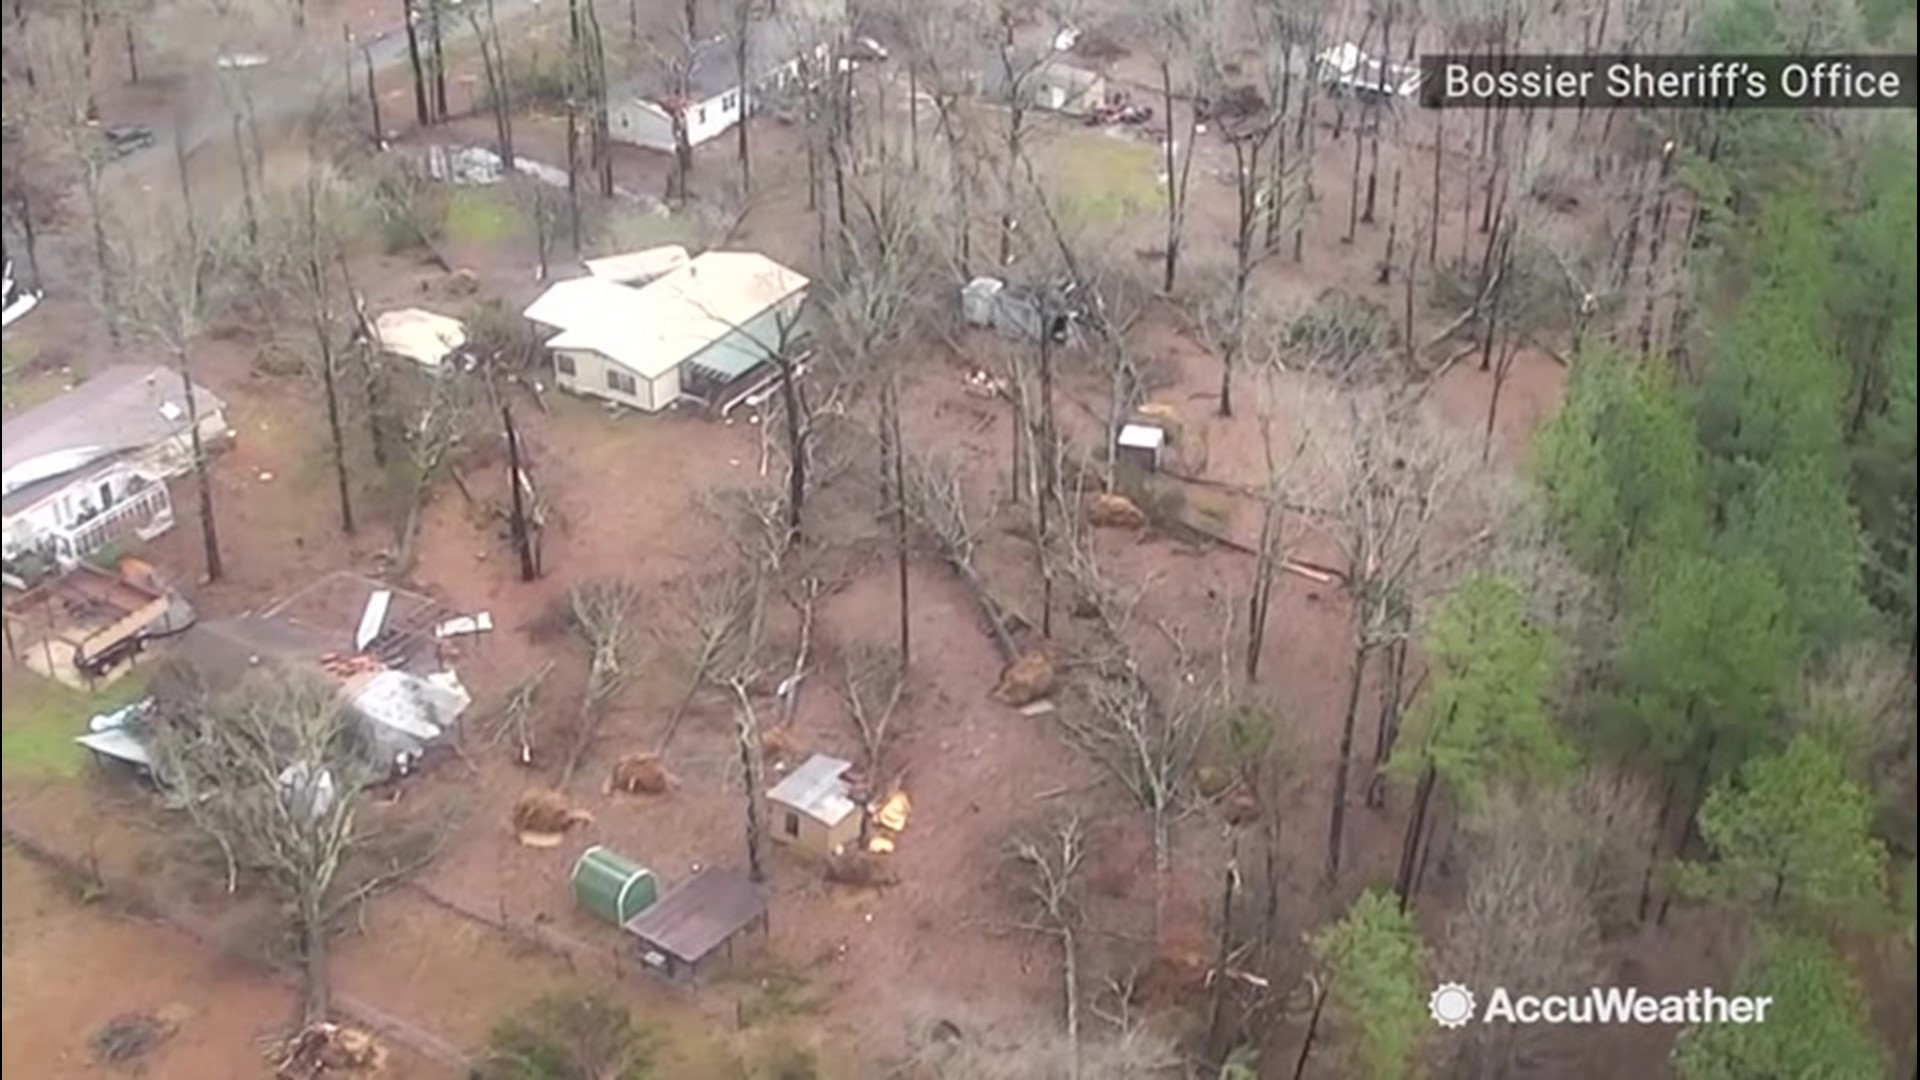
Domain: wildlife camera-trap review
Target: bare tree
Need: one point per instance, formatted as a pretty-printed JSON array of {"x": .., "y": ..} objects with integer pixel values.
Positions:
[
  {"x": 1284, "y": 491},
  {"x": 269, "y": 770},
  {"x": 436, "y": 432},
  {"x": 1148, "y": 740},
  {"x": 1053, "y": 864},
  {"x": 752, "y": 770},
  {"x": 436, "y": 41},
  {"x": 1248, "y": 131},
  {"x": 1527, "y": 920},
  {"x": 937, "y": 500},
  {"x": 422, "y": 108},
  {"x": 1394, "y": 473},
  {"x": 169, "y": 299},
  {"x": 320, "y": 310},
  {"x": 873, "y": 685},
  {"x": 717, "y": 613},
  {"x": 742, "y": 19},
  {"x": 1017, "y": 71},
  {"x": 499, "y": 88},
  {"x": 1183, "y": 32},
  {"x": 940, "y": 36},
  {"x": 678, "y": 101},
  {"x": 602, "y": 614}
]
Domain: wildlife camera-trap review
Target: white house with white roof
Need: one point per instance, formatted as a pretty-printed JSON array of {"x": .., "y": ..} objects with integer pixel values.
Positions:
[{"x": 696, "y": 332}]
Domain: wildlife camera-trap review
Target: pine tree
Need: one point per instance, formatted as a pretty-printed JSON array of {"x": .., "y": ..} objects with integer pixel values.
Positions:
[{"x": 1791, "y": 836}]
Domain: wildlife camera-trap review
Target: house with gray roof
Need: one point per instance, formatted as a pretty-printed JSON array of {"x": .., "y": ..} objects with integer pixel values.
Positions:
[
  {"x": 707, "y": 82},
  {"x": 89, "y": 467}
]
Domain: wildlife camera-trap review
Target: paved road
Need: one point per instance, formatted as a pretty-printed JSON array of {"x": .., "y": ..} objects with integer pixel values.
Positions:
[{"x": 283, "y": 90}]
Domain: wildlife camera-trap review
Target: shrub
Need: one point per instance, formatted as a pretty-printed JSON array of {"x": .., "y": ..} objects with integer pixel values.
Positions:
[{"x": 569, "y": 1035}]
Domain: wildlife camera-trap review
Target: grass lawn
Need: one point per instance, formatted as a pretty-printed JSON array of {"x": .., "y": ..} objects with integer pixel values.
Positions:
[
  {"x": 42, "y": 717},
  {"x": 1099, "y": 179},
  {"x": 19, "y": 388},
  {"x": 480, "y": 218}
]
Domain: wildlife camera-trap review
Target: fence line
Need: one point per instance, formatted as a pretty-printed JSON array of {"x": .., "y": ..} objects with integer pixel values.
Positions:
[{"x": 135, "y": 901}]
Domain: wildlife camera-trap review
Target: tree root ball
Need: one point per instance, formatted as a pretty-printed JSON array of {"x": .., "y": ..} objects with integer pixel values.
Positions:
[
  {"x": 640, "y": 774},
  {"x": 542, "y": 816},
  {"x": 1027, "y": 680},
  {"x": 325, "y": 1049},
  {"x": 1108, "y": 511}
]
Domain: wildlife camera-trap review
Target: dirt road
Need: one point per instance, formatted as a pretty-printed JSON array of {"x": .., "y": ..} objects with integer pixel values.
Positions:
[{"x": 284, "y": 88}]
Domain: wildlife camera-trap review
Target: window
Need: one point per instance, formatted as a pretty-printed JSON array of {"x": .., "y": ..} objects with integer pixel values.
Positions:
[
  {"x": 730, "y": 103},
  {"x": 563, "y": 363},
  {"x": 793, "y": 823},
  {"x": 700, "y": 115},
  {"x": 620, "y": 382}
]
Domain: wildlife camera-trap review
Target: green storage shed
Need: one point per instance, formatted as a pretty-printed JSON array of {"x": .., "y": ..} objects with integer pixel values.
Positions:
[{"x": 611, "y": 886}]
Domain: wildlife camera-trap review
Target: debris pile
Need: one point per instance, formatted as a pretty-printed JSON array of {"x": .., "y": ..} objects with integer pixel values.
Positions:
[
  {"x": 981, "y": 383},
  {"x": 779, "y": 745},
  {"x": 861, "y": 869},
  {"x": 893, "y": 813},
  {"x": 322, "y": 1049},
  {"x": 1106, "y": 511},
  {"x": 541, "y": 817},
  {"x": 130, "y": 1036},
  {"x": 346, "y": 667},
  {"x": 1026, "y": 680},
  {"x": 640, "y": 774}
]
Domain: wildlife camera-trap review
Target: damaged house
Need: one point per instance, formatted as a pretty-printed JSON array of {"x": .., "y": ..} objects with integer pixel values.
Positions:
[
  {"x": 88, "y": 470},
  {"x": 375, "y": 644},
  {"x": 706, "y": 333}
]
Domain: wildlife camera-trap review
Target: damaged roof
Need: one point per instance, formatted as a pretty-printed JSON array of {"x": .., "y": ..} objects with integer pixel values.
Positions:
[
  {"x": 124, "y": 407},
  {"x": 655, "y": 328},
  {"x": 818, "y": 789}
]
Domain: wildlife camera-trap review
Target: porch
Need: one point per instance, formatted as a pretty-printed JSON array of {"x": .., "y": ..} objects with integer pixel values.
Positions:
[{"x": 141, "y": 514}]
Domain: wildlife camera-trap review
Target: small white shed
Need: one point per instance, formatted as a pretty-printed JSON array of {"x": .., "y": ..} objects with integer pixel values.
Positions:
[
  {"x": 1140, "y": 445},
  {"x": 978, "y": 299},
  {"x": 814, "y": 807}
]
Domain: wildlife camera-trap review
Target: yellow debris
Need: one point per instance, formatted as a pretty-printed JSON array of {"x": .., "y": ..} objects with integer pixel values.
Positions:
[
  {"x": 880, "y": 845},
  {"x": 894, "y": 812}
]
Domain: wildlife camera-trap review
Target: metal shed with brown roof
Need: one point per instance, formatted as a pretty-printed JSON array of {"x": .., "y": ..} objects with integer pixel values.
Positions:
[{"x": 680, "y": 935}]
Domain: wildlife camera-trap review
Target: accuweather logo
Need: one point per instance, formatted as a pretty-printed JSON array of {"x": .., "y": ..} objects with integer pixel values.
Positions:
[{"x": 1452, "y": 1005}]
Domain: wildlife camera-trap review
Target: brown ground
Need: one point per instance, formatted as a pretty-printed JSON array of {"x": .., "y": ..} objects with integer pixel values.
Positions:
[{"x": 627, "y": 493}]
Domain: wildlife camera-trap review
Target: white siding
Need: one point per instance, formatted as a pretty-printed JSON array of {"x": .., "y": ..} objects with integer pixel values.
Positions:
[
  {"x": 589, "y": 379},
  {"x": 643, "y": 123},
  {"x": 64, "y": 508}
]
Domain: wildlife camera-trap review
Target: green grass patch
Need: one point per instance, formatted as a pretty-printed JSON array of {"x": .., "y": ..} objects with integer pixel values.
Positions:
[
  {"x": 1214, "y": 513},
  {"x": 42, "y": 717},
  {"x": 1100, "y": 180},
  {"x": 20, "y": 386},
  {"x": 480, "y": 217}
]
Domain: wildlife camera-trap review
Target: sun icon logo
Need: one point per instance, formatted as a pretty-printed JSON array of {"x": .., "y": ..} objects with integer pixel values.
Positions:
[{"x": 1451, "y": 1005}]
